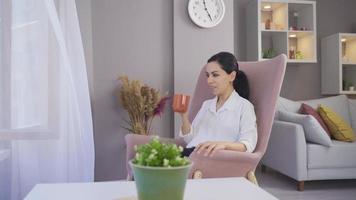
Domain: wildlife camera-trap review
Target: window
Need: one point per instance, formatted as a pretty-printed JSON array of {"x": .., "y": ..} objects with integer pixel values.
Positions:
[{"x": 27, "y": 73}]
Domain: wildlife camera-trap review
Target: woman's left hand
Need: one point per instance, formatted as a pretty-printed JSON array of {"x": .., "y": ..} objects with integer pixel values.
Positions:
[{"x": 209, "y": 148}]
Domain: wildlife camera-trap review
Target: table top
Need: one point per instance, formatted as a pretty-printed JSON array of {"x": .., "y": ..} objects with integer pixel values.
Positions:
[{"x": 205, "y": 189}]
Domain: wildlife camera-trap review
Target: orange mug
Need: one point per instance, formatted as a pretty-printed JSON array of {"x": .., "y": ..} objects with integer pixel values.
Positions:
[{"x": 180, "y": 103}]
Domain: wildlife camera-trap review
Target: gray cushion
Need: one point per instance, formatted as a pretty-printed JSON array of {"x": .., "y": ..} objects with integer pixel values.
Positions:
[
  {"x": 312, "y": 128},
  {"x": 352, "y": 108},
  {"x": 287, "y": 105},
  {"x": 338, "y": 155}
]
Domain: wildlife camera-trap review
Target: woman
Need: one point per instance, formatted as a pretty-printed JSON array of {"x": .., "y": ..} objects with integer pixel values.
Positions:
[{"x": 226, "y": 122}]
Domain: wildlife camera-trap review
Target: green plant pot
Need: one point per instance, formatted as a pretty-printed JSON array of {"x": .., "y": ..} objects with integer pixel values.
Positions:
[{"x": 160, "y": 183}]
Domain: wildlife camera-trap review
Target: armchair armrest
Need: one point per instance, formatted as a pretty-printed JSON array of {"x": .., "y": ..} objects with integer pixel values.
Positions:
[
  {"x": 287, "y": 150},
  {"x": 224, "y": 163}
]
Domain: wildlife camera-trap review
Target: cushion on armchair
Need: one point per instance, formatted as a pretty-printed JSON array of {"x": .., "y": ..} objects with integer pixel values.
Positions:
[
  {"x": 312, "y": 129},
  {"x": 338, "y": 127}
]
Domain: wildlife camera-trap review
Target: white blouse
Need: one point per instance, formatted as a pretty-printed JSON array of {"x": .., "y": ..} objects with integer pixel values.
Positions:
[{"x": 235, "y": 121}]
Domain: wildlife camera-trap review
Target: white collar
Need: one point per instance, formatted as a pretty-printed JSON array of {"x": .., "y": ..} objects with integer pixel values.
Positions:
[{"x": 228, "y": 104}]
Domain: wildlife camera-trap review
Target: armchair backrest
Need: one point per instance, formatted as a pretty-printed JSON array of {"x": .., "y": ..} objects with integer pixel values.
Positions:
[{"x": 265, "y": 80}]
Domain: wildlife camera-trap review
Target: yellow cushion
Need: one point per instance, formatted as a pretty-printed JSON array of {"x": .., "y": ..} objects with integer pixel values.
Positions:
[{"x": 339, "y": 129}]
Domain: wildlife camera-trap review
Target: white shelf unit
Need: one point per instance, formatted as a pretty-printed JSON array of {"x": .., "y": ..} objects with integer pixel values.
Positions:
[
  {"x": 285, "y": 26},
  {"x": 338, "y": 64}
]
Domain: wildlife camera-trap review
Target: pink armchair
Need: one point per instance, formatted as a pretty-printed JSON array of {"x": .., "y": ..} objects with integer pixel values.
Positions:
[{"x": 265, "y": 79}]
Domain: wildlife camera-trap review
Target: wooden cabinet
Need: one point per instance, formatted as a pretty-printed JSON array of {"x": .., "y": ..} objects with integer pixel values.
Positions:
[
  {"x": 338, "y": 64},
  {"x": 281, "y": 26}
]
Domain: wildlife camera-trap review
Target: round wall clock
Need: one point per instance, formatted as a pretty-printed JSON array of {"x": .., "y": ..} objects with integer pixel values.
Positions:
[{"x": 206, "y": 13}]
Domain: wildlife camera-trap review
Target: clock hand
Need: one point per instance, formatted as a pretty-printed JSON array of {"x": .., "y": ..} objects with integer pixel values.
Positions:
[{"x": 206, "y": 9}]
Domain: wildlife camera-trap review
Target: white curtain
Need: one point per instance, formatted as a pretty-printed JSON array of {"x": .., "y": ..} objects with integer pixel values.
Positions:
[{"x": 44, "y": 96}]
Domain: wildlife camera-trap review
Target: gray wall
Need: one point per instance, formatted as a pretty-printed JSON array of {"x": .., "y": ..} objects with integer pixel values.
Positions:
[
  {"x": 133, "y": 38},
  {"x": 154, "y": 41},
  {"x": 84, "y": 15},
  {"x": 193, "y": 46}
]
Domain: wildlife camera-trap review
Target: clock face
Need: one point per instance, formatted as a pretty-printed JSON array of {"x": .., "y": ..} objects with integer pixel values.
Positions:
[{"x": 206, "y": 13}]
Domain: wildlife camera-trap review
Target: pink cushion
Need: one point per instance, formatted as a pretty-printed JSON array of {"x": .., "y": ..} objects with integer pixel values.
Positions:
[{"x": 308, "y": 110}]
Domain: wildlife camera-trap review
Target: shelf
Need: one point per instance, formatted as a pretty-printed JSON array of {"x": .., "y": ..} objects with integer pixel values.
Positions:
[
  {"x": 268, "y": 28},
  {"x": 300, "y": 61},
  {"x": 300, "y": 33},
  {"x": 275, "y": 41},
  {"x": 277, "y": 31},
  {"x": 300, "y": 16},
  {"x": 273, "y": 15},
  {"x": 348, "y": 63},
  {"x": 301, "y": 45},
  {"x": 338, "y": 64},
  {"x": 348, "y": 75},
  {"x": 348, "y": 48},
  {"x": 348, "y": 92}
]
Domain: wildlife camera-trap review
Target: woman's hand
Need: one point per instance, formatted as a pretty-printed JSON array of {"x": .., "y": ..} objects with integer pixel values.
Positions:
[{"x": 209, "y": 148}]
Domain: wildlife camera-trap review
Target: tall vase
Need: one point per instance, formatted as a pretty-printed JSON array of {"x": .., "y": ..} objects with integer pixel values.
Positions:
[{"x": 160, "y": 183}]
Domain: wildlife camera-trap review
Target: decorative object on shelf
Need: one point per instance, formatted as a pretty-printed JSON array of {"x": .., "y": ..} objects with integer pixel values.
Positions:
[
  {"x": 299, "y": 55},
  {"x": 346, "y": 85},
  {"x": 160, "y": 172},
  {"x": 293, "y": 28},
  {"x": 268, "y": 53},
  {"x": 268, "y": 24},
  {"x": 351, "y": 88},
  {"x": 343, "y": 50},
  {"x": 206, "y": 14},
  {"x": 345, "y": 59},
  {"x": 291, "y": 53},
  {"x": 142, "y": 104}
]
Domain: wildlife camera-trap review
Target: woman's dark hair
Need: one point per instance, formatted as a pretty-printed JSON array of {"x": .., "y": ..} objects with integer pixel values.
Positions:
[{"x": 228, "y": 63}]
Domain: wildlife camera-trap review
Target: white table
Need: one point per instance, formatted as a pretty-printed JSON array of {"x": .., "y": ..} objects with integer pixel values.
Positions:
[{"x": 199, "y": 189}]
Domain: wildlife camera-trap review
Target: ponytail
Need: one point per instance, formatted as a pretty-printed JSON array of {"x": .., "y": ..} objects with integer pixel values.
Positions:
[{"x": 241, "y": 85}]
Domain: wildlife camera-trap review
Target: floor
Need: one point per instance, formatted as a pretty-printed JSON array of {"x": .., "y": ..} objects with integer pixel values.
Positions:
[{"x": 285, "y": 188}]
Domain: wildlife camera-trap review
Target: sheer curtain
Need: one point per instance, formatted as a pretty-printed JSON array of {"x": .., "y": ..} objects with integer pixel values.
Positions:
[{"x": 45, "y": 115}]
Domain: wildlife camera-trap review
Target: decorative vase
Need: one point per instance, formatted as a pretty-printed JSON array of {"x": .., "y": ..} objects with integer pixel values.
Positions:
[
  {"x": 268, "y": 24},
  {"x": 160, "y": 183}
]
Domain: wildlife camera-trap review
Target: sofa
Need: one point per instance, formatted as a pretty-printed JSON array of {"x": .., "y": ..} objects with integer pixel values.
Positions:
[{"x": 289, "y": 153}]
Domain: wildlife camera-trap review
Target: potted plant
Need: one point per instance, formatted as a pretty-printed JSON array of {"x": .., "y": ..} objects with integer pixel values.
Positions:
[
  {"x": 160, "y": 172},
  {"x": 268, "y": 53},
  {"x": 347, "y": 85}
]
